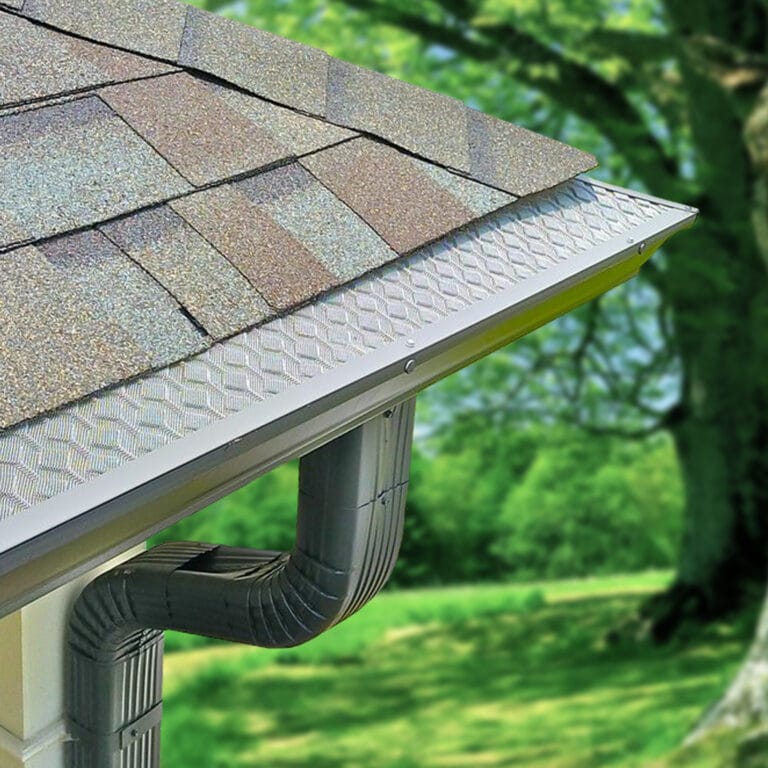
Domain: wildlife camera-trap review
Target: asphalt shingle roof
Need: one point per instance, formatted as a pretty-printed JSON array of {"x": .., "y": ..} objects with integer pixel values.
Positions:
[{"x": 169, "y": 178}]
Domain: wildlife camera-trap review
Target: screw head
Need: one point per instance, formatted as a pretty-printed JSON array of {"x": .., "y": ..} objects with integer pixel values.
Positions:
[
  {"x": 641, "y": 248},
  {"x": 410, "y": 366}
]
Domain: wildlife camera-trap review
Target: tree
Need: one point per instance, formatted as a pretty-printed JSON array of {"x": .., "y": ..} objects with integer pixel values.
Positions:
[
  {"x": 683, "y": 96},
  {"x": 673, "y": 94},
  {"x": 679, "y": 98}
]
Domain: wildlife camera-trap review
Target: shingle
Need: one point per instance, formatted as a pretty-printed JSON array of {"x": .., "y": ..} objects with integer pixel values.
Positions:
[
  {"x": 122, "y": 293},
  {"x": 116, "y": 65},
  {"x": 299, "y": 133},
  {"x": 520, "y": 161},
  {"x": 281, "y": 269},
  {"x": 196, "y": 132},
  {"x": 265, "y": 64},
  {"x": 389, "y": 191},
  {"x": 200, "y": 278},
  {"x": 54, "y": 347},
  {"x": 479, "y": 198},
  {"x": 429, "y": 124},
  {"x": 84, "y": 165},
  {"x": 17, "y": 4},
  {"x": 153, "y": 27},
  {"x": 336, "y": 236},
  {"x": 45, "y": 63}
]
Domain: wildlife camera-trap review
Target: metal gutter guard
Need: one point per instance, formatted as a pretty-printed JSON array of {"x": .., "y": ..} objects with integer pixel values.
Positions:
[
  {"x": 85, "y": 483},
  {"x": 350, "y": 522}
]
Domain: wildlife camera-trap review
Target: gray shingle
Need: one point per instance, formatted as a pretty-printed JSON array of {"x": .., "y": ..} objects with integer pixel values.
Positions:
[
  {"x": 335, "y": 235},
  {"x": 116, "y": 65},
  {"x": 153, "y": 27},
  {"x": 122, "y": 293},
  {"x": 194, "y": 130},
  {"x": 46, "y": 63},
  {"x": 520, "y": 161},
  {"x": 479, "y": 198},
  {"x": 389, "y": 191},
  {"x": 84, "y": 164},
  {"x": 200, "y": 278},
  {"x": 53, "y": 346},
  {"x": 429, "y": 124},
  {"x": 278, "y": 266},
  {"x": 265, "y": 64},
  {"x": 299, "y": 133},
  {"x": 17, "y": 4}
]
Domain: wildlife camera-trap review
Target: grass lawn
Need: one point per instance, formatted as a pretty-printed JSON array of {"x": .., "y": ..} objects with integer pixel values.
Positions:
[{"x": 473, "y": 676}]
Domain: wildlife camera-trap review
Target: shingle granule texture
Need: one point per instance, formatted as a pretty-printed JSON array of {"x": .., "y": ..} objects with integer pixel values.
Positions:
[
  {"x": 191, "y": 269},
  {"x": 389, "y": 191},
  {"x": 183, "y": 177},
  {"x": 332, "y": 232},
  {"x": 281, "y": 269},
  {"x": 53, "y": 64},
  {"x": 153, "y": 27},
  {"x": 429, "y": 124},
  {"x": 299, "y": 133},
  {"x": 479, "y": 198},
  {"x": 520, "y": 161},
  {"x": 282, "y": 70},
  {"x": 54, "y": 347},
  {"x": 121, "y": 292},
  {"x": 195, "y": 131},
  {"x": 93, "y": 164}
]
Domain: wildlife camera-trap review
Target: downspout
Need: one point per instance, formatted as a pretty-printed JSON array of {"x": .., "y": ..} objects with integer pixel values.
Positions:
[{"x": 349, "y": 526}]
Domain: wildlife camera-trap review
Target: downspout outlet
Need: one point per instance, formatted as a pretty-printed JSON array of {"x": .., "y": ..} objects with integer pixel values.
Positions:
[{"x": 349, "y": 526}]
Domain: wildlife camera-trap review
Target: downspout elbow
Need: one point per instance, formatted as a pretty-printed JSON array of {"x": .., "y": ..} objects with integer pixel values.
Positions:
[{"x": 349, "y": 527}]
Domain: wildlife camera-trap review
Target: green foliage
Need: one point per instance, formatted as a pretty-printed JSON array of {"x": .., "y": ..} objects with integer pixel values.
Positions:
[
  {"x": 261, "y": 515},
  {"x": 593, "y": 506},
  {"x": 525, "y": 504},
  {"x": 416, "y": 684}
]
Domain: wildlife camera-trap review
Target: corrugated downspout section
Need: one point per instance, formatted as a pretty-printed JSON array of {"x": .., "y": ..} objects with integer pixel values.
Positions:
[{"x": 349, "y": 527}]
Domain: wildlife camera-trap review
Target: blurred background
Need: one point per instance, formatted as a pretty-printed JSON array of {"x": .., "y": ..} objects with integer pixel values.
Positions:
[{"x": 584, "y": 564}]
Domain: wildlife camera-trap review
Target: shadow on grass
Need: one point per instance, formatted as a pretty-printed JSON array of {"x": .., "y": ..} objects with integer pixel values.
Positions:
[{"x": 538, "y": 689}]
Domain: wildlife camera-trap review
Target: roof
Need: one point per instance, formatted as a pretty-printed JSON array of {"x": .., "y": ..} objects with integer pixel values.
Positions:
[
  {"x": 170, "y": 178},
  {"x": 220, "y": 249}
]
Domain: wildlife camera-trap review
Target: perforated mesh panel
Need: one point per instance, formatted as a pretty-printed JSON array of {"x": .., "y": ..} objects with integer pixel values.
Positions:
[{"x": 50, "y": 455}]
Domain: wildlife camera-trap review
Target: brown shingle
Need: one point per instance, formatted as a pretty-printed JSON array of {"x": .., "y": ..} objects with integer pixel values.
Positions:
[
  {"x": 194, "y": 130},
  {"x": 426, "y": 123},
  {"x": 53, "y": 347},
  {"x": 389, "y": 191},
  {"x": 333, "y": 233},
  {"x": 282, "y": 270},
  {"x": 205, "y": 283},
  {"x": 265, "y": 64},
  {"x": 153, "y": 27}
]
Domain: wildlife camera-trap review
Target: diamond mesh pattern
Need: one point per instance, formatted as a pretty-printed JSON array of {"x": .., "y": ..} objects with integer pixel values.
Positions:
[{"x": 47, "y": 456}]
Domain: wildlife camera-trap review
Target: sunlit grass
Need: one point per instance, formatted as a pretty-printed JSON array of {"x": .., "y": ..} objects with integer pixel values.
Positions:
[{"x": 452, "y": 678}]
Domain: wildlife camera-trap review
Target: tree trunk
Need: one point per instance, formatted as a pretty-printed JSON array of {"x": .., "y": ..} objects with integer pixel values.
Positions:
[
  {"x": 745, "y": 703},
  {"x": 720, "y": 431}
]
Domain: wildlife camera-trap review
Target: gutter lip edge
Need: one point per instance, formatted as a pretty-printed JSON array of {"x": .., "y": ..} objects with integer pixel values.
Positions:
[{"x": 340, "y": 384}]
